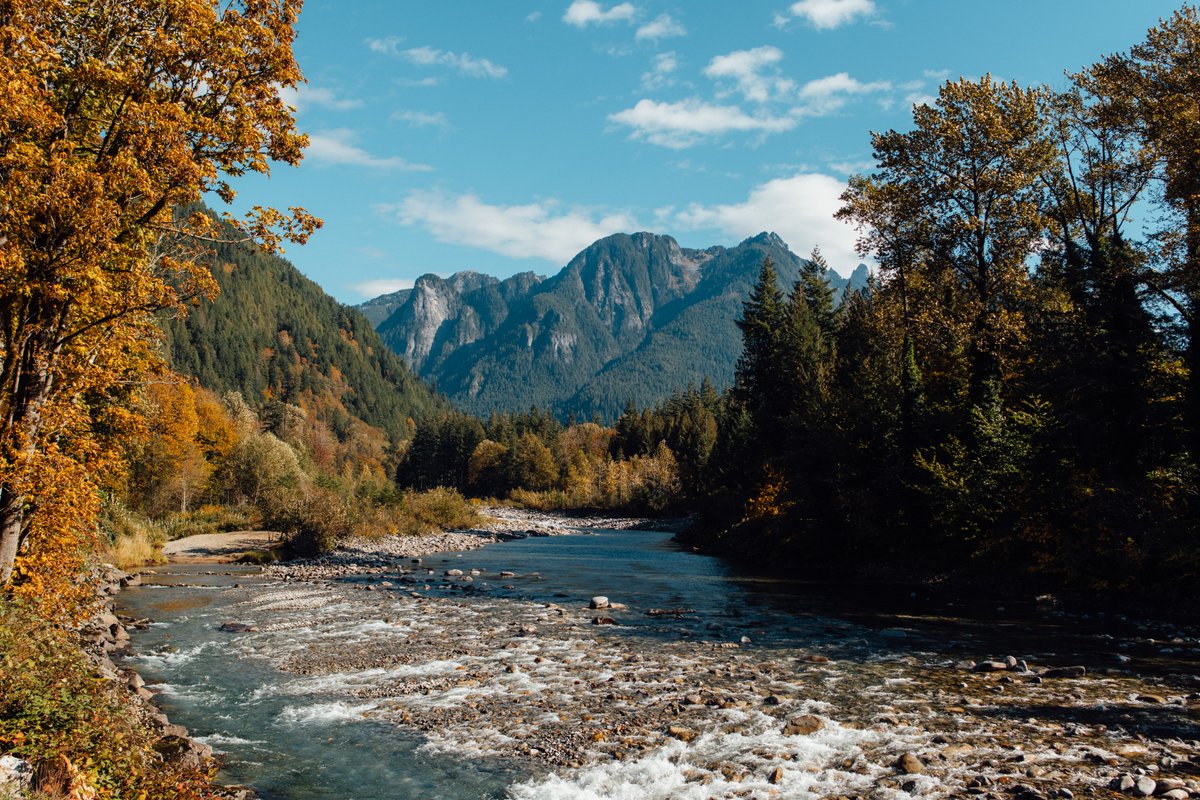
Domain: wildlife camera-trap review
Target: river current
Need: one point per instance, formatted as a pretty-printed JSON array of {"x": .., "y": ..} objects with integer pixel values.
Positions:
[{"x": 497, "y": 683}]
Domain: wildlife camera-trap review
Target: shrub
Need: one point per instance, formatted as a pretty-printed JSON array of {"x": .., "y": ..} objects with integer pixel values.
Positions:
[
  {"x": 439, "y": 509},
  {"x": 131, "y": 539},
  {"x": 312, "y": 522},
  {"x": 77, "y": 731}
]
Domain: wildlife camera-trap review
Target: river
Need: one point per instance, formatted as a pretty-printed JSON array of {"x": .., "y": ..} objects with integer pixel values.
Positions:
[{"x": 406, "y": 682}]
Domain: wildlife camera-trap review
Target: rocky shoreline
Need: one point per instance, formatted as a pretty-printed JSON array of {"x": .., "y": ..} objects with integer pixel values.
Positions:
[
  {"x": 366, "y": 557},
  {"x": 105, "y": 636},
  {"x": 720, "y": 704}
]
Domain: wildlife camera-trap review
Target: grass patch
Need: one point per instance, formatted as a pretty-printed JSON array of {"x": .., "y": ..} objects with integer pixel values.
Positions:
[{"x": 132, "y": 539}]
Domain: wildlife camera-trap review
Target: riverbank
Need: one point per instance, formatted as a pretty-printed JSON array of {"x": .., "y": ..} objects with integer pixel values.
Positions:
[
  {"x": 684, "y": 686},
  {"x": 74, "y": 721}
]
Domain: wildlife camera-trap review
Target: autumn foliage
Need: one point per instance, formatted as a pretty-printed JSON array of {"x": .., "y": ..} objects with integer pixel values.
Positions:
[{"x": 113, "y": 116}]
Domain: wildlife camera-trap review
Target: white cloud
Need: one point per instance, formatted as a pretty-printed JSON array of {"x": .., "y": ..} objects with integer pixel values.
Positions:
[
  {"x": 800, "y": 209},
  {"x": 828, "y": 94},
  {"x": 920, "y": 99},
  {"x": 388, "y": 46},
  {"x": 463, "y": 63},
  {"x": 665, "y": 65},
  {"x": 663, "y": 26},
  {"x": 536, "y": 230},
  {"x": 826, "y": 14},
  {"x": 852, "y": 167},
  {"x": 533, "y": 17},
  {"x": 423, "y": 119},
  {"x": 682, "y": 124},
  {"x": 582, "y": 13},
  {"x": 304, "y": 96},
  {"x": 754, "y": 72},
  {"x": 380, "y": 286},
  {"x": 337, "y": 147}
]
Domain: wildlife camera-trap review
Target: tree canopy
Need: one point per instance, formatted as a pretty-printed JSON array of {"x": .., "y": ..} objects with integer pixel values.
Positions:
[{"x": 112, "y": 116}]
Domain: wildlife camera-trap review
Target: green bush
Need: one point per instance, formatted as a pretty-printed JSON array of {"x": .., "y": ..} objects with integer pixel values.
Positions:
[
  {"x": 74, "y": 727},
  {"x": 438, "y": 509},
  {"x": 311, "y": 522}
]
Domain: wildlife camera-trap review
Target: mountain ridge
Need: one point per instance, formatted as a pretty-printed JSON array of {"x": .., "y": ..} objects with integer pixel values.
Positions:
[{"x": 631, "y": 317}]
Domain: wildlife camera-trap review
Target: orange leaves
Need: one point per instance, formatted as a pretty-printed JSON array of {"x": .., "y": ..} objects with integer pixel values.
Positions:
[
  {"x": 112, "y": 116},
  {"x": 771, "y": 500}
]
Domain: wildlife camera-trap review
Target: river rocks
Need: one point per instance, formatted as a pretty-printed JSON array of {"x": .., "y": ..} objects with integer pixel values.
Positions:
[
  {"x": 1144, "y": 786},
  {"x": 185, "y": 752},
  {"x": 990, "y": 666},
  {"x": 803, "y": 725},
  {"x": 599, "y": 601},
  {"x": 237, "y": 627},
  {"x": 16, "y": 776},
  {"x": 681, "y": 733},
  {"x": 603, "y": 621},
  {"x": 1065, "y": 672},
  {"x": 776, "y": 776},
  {"x": 910, "y": 764}
]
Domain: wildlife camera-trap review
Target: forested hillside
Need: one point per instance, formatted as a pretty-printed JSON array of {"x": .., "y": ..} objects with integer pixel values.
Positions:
[{"x": 272, "y": 334}]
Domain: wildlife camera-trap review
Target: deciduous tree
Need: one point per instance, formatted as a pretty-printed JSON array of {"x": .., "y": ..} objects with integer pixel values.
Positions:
[{"x": 112, "y": 116}]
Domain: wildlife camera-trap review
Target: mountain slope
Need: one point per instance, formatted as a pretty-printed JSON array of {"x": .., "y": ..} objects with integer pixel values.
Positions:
[
  {"x": 440, "y": 315},
  {"x": 271, "y": 333},
  {"x": 598, "y": 308},
  {"x": 631, "y": 317}
]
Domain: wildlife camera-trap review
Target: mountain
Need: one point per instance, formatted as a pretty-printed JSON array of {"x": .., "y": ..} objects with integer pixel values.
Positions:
[
  {"x": 377, "y": 309},
  {"x": 632, "y": 317},
  {"x": 271, "y": 333},
  {"x": 440, "y": 315}
]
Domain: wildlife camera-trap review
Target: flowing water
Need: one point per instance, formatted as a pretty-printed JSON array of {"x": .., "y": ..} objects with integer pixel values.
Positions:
[{"x": 408, "y": 683}]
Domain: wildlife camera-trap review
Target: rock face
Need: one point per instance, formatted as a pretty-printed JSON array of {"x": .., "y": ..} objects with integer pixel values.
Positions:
[
  {"x": 440, "y": 315},
  {"x": 634, "y": 316}
]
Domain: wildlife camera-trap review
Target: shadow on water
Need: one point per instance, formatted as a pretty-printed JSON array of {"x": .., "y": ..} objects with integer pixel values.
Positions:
[{"x": 319, "y": 743}]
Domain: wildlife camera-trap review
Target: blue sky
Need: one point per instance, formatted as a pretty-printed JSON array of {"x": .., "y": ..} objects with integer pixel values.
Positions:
[{"x": 503, "y": 136}]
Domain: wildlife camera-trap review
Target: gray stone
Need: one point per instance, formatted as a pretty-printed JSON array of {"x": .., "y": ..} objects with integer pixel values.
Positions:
[
  {"x": 16, "y": 776},
  {"x": 990, "y": 666},
  {"x": 1145, "y": 786},
  {"x": 599, "y": 601}
]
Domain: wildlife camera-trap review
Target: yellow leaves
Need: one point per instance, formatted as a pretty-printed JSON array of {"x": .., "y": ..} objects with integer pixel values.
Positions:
[
  {"x": 771, "y": 499},
  {"x": 115, "y": 114}
]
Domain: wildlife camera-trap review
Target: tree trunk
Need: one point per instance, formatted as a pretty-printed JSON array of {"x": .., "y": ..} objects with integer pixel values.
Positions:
[
  {"x": 11, "y": 517},
  {"x": 1192, "y": 356}
]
